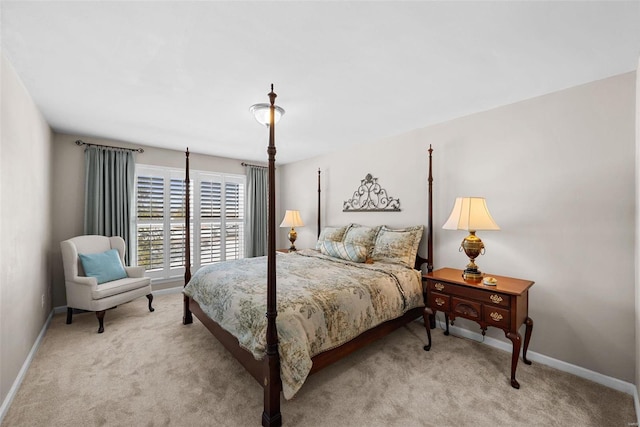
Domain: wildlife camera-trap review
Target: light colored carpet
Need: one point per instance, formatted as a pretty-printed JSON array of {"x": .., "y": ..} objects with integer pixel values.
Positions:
[{"x": 148, "y": 369}]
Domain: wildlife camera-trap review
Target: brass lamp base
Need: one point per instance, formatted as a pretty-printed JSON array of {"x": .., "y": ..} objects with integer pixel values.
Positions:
[
  {"x": 473, "y": 247},
  {"x": 471, "y": 274},
  {"x": 293, "y": 235}
]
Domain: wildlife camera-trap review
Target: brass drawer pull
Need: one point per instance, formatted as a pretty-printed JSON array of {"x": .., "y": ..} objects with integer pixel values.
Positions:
[
  {"x": 439, "y": 286},
  {"x": 439, "y": 302},
  {"x": 495, "y": 298},
  {"x": 496, "y": 316}
]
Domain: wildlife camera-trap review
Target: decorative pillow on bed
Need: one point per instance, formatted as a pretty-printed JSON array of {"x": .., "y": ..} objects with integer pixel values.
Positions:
[
  {"x": 104, "y": 266},
  {"x": 334, "y": 234},
  {"x": 346, "y": 251},
  {"x": 361, "y": 235},
  {"x": 398, "y": 246}
]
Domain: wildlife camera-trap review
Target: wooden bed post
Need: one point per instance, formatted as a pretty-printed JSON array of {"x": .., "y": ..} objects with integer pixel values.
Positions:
[
  {"x": 271, "y": 415},
  {"x": 187, "y": 317},
  {"x": 430, "y": 219},
  {"x": 318, "y": 202}
]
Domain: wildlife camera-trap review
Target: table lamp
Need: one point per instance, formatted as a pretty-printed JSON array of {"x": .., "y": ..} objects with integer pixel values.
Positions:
[
  {"x": 292, "y": 219},
  {"x": 471, "y": 214}
]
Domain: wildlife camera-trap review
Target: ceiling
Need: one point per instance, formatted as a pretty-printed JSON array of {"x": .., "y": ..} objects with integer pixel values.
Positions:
[{"x": 178, "y": 74}]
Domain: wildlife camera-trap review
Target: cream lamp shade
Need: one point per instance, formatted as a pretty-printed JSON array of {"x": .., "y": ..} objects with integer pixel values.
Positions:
[
  {"x": 471, "y": 214},
  {"x": 292, "y": 219},
  {"x": 261, "y": 113}
]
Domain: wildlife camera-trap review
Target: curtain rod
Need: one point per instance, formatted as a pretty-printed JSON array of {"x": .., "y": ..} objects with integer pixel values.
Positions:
[
  {"x": 255, "y": 166},
  {"x": 80, "y": 142}
]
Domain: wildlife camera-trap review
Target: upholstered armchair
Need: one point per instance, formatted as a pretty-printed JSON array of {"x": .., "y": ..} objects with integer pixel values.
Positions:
[{"x": 107, "y": 283}]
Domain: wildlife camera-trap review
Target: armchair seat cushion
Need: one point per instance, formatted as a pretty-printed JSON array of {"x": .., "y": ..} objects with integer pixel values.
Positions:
[{"x": 115, "y": 287}]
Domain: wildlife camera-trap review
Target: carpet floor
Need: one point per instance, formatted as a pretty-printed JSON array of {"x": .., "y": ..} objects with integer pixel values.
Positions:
[{"x": 147, "y": 369}]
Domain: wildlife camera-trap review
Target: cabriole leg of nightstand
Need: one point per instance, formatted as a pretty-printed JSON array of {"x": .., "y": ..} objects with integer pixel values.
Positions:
[
  {"x": 516, "y": 340},
  {"x": 527, "y": 336},
  {"x": 427, "y": 315},
  {"x": 446, "y": 322}
]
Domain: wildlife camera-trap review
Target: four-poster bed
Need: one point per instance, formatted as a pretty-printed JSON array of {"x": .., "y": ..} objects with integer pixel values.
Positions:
[{"x": 302, "y": 267}]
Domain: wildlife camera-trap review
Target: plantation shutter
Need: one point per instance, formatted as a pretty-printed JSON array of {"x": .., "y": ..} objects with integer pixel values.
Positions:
[
  {"x": 177, "y": 213},
  {"x": 210, "y": 221},
  {"x": 150, "y": 216},
  {"x": 234, "y": 216}
]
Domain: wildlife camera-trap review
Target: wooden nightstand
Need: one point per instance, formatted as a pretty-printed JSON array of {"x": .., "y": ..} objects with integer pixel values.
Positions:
[
  {"x": 284, "y": 251},
  {"x": 504, "y": 306}
]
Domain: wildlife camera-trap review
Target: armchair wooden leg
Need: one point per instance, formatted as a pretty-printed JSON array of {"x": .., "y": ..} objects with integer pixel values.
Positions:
[
  {"x": 150, "y": 298},
  {"x": 100, "y": 316},
  {"x": 69, "y": 315}
]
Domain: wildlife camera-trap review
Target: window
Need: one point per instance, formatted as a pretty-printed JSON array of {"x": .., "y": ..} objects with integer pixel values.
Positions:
[
  {"x": 220, "y": 217},
  {"x": 217, "y": 219}
]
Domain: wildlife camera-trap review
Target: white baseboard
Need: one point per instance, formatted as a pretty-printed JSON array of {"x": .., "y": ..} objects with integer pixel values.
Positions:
[
  {"x": 23, "y": 371},
  {"x": 579, "y": 371},
  {"x": 175, "y": 290},
  {"x": 637, "y": 406}
]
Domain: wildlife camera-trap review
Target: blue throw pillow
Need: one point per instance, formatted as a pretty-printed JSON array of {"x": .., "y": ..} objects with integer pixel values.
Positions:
[{"x": 104, "y": 266}]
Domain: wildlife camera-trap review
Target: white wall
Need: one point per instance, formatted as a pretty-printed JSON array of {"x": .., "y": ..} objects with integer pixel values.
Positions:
[
  {"x": 558, "y": 175},
  {"x": 25, "y": 225},
  {"x": 68, "y": 187}
]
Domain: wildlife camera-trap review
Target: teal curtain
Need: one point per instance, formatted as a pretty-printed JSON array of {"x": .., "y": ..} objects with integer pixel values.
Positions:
[
  {"x": 108, "y": 195},
  {"x": 256, "y": 219}
]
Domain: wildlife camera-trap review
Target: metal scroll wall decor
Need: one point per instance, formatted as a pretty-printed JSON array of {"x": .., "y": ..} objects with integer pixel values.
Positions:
[{"x": 371, "y": 197}]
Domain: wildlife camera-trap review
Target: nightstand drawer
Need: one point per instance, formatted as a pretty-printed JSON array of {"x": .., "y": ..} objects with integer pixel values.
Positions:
[
  {"x": 496, "y": 298},
  {"x": 465, "y": 308},
  {"x": 439, "y": 301},
  {"x": 497, "y": 317},
  {"x": 488, "y": 296},
  {"x": 437, "y": 286}
]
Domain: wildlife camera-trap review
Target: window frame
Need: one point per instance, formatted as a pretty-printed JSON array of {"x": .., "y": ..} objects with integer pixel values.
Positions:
[{"x": 168, "y": 273}]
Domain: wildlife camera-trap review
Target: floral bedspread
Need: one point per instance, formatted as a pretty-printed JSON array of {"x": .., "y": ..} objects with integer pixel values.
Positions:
[{"x": 323, "y": 302}]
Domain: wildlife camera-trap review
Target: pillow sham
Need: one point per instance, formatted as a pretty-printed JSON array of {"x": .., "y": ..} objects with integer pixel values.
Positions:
[
  {"x": 346, "y": 251},
  {"x": 398, "y": 246},
  {"x": 104, "y": 266},
  {"x": 334, "y": 234},
  {"x": 361, "y": 235}
]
